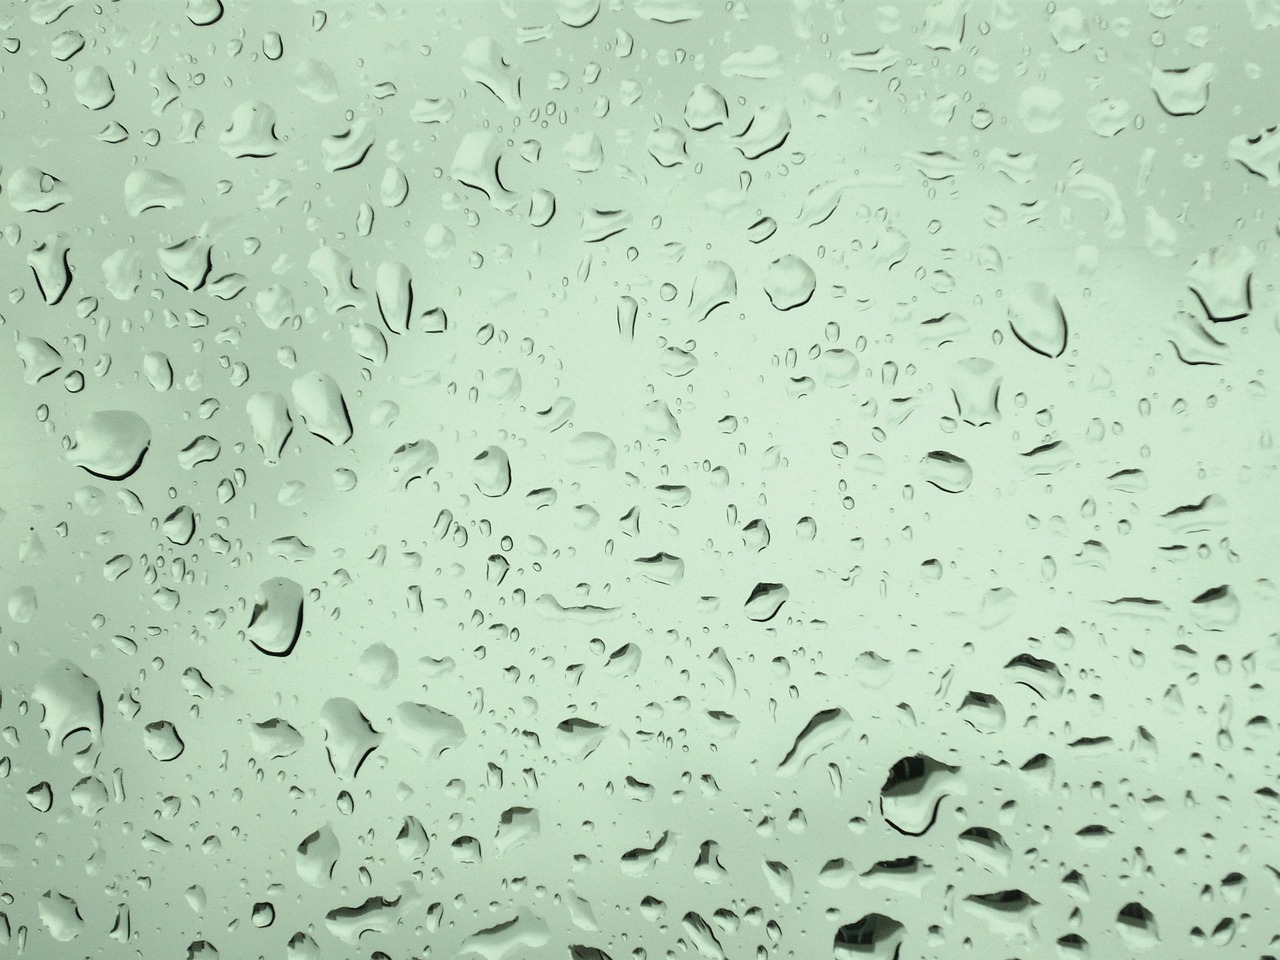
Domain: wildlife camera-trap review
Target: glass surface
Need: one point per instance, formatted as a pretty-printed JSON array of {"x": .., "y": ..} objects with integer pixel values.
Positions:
[{"x": 639, "y": 479}]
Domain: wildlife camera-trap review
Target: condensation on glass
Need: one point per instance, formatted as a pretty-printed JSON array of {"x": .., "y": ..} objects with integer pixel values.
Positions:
[{"x": 639, "y": 479}]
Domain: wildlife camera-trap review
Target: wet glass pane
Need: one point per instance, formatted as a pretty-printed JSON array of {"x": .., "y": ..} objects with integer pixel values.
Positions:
[{"x": 638, "y": 479}]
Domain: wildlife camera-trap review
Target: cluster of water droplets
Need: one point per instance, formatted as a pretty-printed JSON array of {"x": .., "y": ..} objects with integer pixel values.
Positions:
[{"x": 639, "y": 478}]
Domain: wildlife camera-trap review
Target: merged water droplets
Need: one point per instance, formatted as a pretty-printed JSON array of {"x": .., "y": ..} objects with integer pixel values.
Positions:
[
  {"x": 1221, "y": 280},
  {"x": 1038, "y": 320},
  {"x": 1183, "y": 91},
  {"x": 706, "y": 108},
  {"x": 32, "y": 190},
  {"x": 322, "y": 408},
  {"x": 789, "y": 282},
  {"x": 162, "y": 741},
  {"x": 275, "y": 624},
  {"x": 72, "y": 710},
  {"x": 152, "y": 190},
  {"x": 252, "y": 132},
  {"x": 1258, "y": 153},
  {"x": 111, "y": 444},
  {"x": 912, "y": 795}
]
